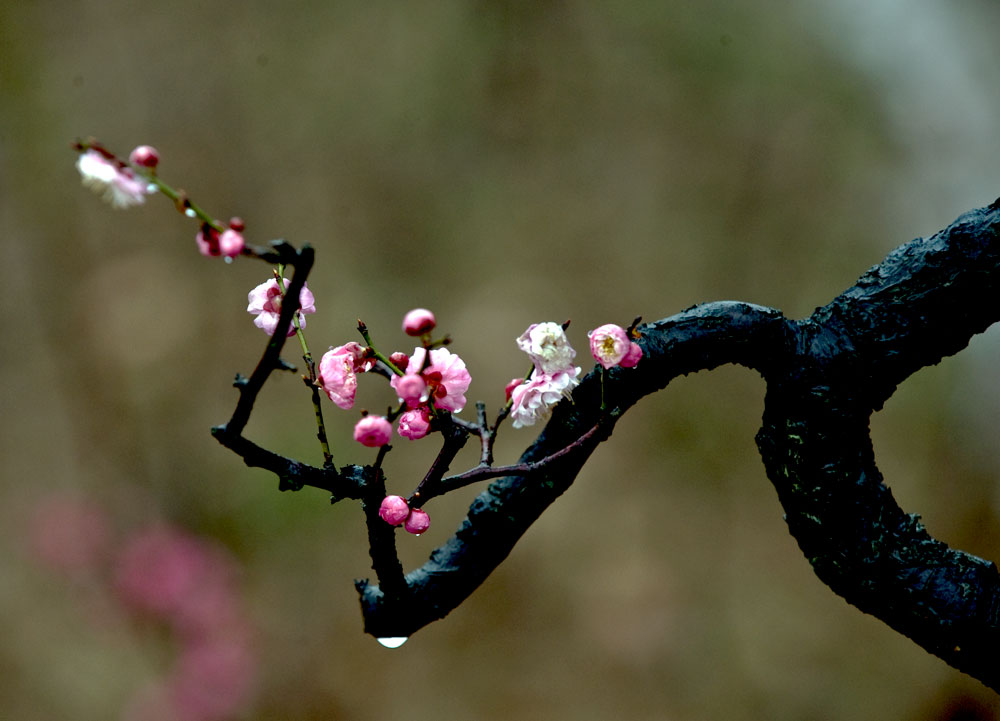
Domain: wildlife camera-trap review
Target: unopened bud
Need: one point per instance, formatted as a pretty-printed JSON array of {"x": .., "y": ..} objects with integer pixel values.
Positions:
[
  {"x": 145, "y": 156},
  {"x": 419, "y": 321}
]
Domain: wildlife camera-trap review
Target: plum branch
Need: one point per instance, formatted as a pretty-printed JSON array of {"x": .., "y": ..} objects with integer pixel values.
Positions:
[{"x": 825, "y": 376}]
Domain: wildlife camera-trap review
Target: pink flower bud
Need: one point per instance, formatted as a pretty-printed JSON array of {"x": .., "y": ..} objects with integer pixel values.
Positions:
[
  {"x": 419, "y": 321},
  {"x": 373, "y": 431},
  {"x": 231, "y": 243},
  {"x": 514, "y": 383},
  {"x": 393, "y": 510},
  {"x": 414, "y": 424},
  {"x": 237, "y": 224},
  {"x": 208, "y": 240},
  {"x": 417, "y": 522},
  {"x": 411, "y": 389},
  {"x": 631, "y": 359},
  {"x": 609, "y": 344},
  {"x": 399, "y": 360},
  {"x": 145, "y": 156}
]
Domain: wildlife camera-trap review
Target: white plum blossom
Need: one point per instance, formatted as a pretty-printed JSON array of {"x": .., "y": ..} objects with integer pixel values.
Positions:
[
  {"x": 117, "y": 185},
  {"x": 533, "y": 400},
  {"x": 547, "y": 346}
]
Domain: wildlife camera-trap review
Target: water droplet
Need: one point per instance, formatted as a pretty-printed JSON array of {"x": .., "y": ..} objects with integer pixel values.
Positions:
[
  {"x": 227, "y": 259},
  {"x": 190, "y": 213},
  {"x": 393, "y": 641},
  {"x": 151, "y": 188}
]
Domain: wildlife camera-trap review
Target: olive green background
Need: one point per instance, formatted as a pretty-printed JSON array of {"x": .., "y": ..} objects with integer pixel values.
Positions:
[{"x": 502, "y": 163}]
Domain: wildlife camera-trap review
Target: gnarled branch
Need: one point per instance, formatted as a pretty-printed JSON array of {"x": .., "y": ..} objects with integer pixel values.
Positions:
[{"x": 825, "y": 376}]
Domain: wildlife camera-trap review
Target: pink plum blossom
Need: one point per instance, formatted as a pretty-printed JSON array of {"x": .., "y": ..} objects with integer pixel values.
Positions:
[
  {"x": 414, "y": 424},
  {"x": 419, "y": 321},
  {"x": 533, "y": 401},
  {"x": 373, "y": 431},
  {"x": 393, "y": 510},
  {"x": 609, "y": 344},
  {"x": 116, "y": 184},
  {"x": 265, "y": 303},
  {"x": 338, "y": 369},
  {"x": 547, "y": 346},
  {"x": 417, "y": 522},
  {"x": 446, "y": 377}
]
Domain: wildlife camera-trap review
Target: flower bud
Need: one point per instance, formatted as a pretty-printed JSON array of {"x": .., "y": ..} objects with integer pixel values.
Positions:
[
  {"x": 417, "y": 522},
  {"x": 231, "y": 243},
  {"x": 419, "y": 321},
  {"x": 237, "y": 224},
  {"x": 393, "y": 510},
  {"x": 208, "y": 240},
  {"x": 414, "y": 424},
  {"x": 400, "y": 360},
  {"x": 145, "y": 156},
  {"x": 609, "y": 343},
  {"x": 373, "y": 431},
  {"x": 514, "y": 383},
  {"x": 411, "y": 389},
  {"x": 634, "y": 355}
]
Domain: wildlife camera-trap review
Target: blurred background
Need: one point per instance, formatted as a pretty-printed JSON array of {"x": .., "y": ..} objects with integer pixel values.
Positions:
[{"x": 501, "y": 163}]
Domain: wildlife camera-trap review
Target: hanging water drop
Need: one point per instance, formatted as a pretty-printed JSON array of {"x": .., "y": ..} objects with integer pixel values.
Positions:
[
  {"x": 393, "y": 641},
  {"x": 190, "y": 213}
]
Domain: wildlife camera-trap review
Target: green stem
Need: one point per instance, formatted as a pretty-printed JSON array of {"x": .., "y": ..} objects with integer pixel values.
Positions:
[{"x": 311, "y": 369}]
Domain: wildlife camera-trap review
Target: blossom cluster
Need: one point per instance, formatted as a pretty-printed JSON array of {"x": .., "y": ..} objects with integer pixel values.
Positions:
[
  {"x": 553, "y": 377},
  {"x": 396, "y": 511},
  {"x": 430, "y": 382}
]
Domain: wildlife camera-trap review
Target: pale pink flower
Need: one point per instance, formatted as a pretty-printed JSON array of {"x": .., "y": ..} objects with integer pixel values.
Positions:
[
  {"x": 417, "y": 522},
  {"x": 547, "y": 346},
  {"x": 373, "y": 431},
  {"x": 117, "y": 185},
  {"x": 446, "y": 377},
  {"x": 632, "y": 358},
  {"x": 338, "y": 369},
  {"x": 414, "y": 424},
  {"x": 609, "y": 344},
  {"x": 533, "y": 401},
  {"x": 419, "y": 321},
  {"x": 166, "y": 571},
  {"x": 393, "y": 510},
  {"x": 265, "y": 303}
]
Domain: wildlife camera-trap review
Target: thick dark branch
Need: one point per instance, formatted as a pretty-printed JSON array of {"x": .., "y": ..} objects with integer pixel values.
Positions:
[
  {"x": 705, "y": 336},
  {"x": 825, "y": 375}
]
